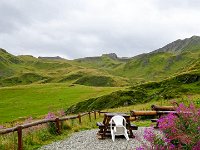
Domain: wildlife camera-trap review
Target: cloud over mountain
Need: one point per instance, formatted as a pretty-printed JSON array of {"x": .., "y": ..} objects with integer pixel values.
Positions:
[{"x": 74, "y": 29}]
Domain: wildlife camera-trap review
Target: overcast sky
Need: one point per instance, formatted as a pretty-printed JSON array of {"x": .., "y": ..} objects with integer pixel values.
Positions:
[{"x": 80, "y": 28}]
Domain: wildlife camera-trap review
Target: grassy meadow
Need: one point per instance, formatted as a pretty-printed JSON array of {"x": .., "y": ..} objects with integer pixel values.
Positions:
[
  {"x": 38, "y": 136},
  {"x": 34, "y": 100},
  {"x": 32, "y": 87}
]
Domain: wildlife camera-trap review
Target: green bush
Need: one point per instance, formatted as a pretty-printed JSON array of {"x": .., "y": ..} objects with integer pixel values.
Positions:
[
  {"x": 115, "y": 99},
  {"x": 96, "y": 81},
  {"x": 72, "y": 77}
]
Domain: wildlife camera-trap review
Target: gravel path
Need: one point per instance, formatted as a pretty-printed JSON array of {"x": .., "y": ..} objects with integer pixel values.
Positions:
[{"x": 87, "y": 140}]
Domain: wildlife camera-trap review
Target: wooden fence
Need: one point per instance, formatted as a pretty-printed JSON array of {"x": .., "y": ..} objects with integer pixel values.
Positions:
[{"x": 57, "y": 122}]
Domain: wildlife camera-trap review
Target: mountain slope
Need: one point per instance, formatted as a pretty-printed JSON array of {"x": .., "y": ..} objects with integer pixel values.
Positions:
[
  {"x": 162, "y": 63},
  {"x": 106, "y": 62},
  {"x": 26, "y": 69},
  {"x": 190, "y": 44},
  {"x": 157, "y": 66},
  {"x": 174, "y": 87},
  {"x": 6, "y": 62},
  {"x": 106, "y": 70}
]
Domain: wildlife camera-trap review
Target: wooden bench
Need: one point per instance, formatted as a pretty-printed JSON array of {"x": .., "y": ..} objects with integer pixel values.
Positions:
[
  {"x": 157, "y": 123},
  {"x": 154, "y": 120},
  {"x": 151, "y": 113},
  {"x": 161, "y": 108},
  {"x": 133, "y": 127},
  {"x": 102, "y": 127}
]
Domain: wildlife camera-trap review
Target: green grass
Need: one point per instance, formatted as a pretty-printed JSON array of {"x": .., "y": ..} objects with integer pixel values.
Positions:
[
  {"x": 156, "y": 66},
  {"x": 38, "y": 136},
  {"x": 161, "y": 102},
  {"x": 36, "y": 100},
  {"x": 174, "y": 87},
  {"x": 96, "y": 81},
  {"x": 35, "y": 137},
  {"x": 146, "y": 67}
]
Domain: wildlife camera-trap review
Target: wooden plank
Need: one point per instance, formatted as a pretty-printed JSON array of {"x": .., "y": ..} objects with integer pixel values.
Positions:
[
  {"x": 83, "y": 114},
  {"x": 65, "y": 118},
  {"x": 150, "y": 113},
  {"x": 8, "y": 130},
  {"x": 133, "y": 127},
  {"x": 163, "y": 108},
  {"x": 100, "y": 124},
  {"x": 154, "y": 120},
  {"x": 37, "y": 123},
  {"x": 143, "y": 113}
]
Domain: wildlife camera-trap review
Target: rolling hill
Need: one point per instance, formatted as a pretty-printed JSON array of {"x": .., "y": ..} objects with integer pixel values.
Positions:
[
  {"x": 17, "y": 70},
  {"x": 179, "y": 46},
  {"x": 169, "y": 72},
  {"x": 187, "y": 83},
  {"x": 105, "y": 70}
]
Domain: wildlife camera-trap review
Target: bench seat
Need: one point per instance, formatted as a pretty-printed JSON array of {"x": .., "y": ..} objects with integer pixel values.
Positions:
[
  {"x": 133, "y": 127},
  {"x": 100, "y": 124},
  {"x": 155, "y": 120}
]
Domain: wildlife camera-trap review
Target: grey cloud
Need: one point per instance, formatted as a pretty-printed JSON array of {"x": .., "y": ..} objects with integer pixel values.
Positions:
[
  {"x": 177, "y": 4},
  {"x": 9, "y": 18},
  {"x": 82, "y": 28}
]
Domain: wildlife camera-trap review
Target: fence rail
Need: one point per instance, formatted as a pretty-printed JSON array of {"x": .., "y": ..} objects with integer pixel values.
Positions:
[{"x": 57, "y": 121}]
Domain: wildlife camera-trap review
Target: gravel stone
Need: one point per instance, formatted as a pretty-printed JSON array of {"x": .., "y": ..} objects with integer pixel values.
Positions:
[{"x": 87, "y": 140}]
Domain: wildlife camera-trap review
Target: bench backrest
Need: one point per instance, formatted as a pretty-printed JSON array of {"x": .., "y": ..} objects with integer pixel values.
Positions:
[
  {"x": 163, "y": 108},
  {"x": 150, "y": 113}
]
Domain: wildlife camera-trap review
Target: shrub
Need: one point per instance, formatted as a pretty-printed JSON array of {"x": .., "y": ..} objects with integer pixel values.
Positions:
[
  {"x": 51, "y": 125},
  {"x": 181, "y": 130},
  {"x": 155, "y": 141},
  {"x": 113, "y": 100},
  {"x": 96, "y": 81}
]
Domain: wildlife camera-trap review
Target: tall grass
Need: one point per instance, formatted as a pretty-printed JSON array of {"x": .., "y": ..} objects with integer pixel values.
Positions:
[
  {"x": 20, "y": 102},
  {"x": 37, "y": 136}
]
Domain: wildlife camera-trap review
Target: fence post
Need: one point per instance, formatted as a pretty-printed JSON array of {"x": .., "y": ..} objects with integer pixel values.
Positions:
[
  {"x": 79, "y": 118},
  {"x": 95, "y": 115},
  {"x": 99, "y": 113},
  {"x": 57, "y": 125},
  {"x": 20, "y": 141},
  {"x": 89, "y": 116}
]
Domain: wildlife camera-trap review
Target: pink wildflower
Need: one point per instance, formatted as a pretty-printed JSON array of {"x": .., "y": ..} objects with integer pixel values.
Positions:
[
  {"x": 61, "y": 113},
  {"x": 197, "y": 146},
  {"x": 148, "y": 134},
  {"x": 139, "y": 148},
  {"x": 171, "y": 147},
  {"x": 167, "y": 122},
  {"x": 50, "y": 115},
  {"x": 30, "y": 119},
  {"x": 189, "y": 97}
]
